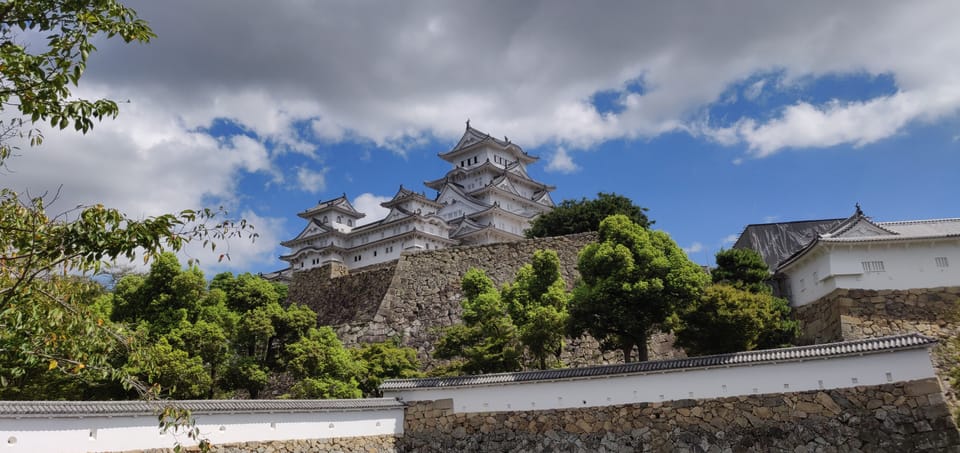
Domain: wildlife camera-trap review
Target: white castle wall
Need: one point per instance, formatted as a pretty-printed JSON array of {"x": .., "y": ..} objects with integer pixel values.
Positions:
[
  {"x": 906, "y": 265},
  {"x": 69, "y": 434},
  {"x": 699, "y": 383}
]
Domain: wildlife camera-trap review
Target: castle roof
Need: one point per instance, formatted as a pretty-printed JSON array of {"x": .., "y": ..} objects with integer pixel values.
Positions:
[
  {"x": 339, "y": 204},
  {"x": 404, "y": 194},
  {"x": 859, "y": 228},
  {"x": 472, "y": 138},
  {"x": 47, "y": 409},
  {"x": 749, "y": 358},
  {"x": 777, "y": 241}
]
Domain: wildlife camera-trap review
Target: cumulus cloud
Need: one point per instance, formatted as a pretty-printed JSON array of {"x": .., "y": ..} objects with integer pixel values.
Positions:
[
  {"x": 311, "y": 181},
  {"x": 369, "y": 204},
  {"x": 397, "y": 74},
  {"x": 730, "y": 239},
  {"x": 394, "y": 74},
  {"x": 561, "y": 162}
]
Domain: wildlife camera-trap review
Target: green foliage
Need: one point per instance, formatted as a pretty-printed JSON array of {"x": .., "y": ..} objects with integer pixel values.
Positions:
[
  {"x": 324, "y": 388},
  {"x": 743, "y": 268},
  {"x": 385, "y": 360},
  {"x": 36, "y": 77},
  {"x": 572, "y": 216},
  {"x": 488, "y": 341},
  {"x": 729, "y": 319},
  {"x": 537, "y": 303},
  {"x": 173, "y": 370},
  {"x": 324, "y": 366},
  {"x": 247, "y": 374},
  {"x": 633, "y": 281}
]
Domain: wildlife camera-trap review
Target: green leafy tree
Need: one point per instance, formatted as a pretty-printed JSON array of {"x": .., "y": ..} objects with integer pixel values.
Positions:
[
  {"x": 209, "y": 342},
  {"x": 385, "y": 360},
  {"x": 537, "y": 303},
  {"x": 633, "y": 281},
  {"x": 36, "y": 76},
  {"x": 172, "y": 369},
  {"x": 326, "y": 369},
  {"x": 743, "y": 268},
  {"x": 572, "y": 216},
  {"x": 487, "y": 341},
  {"x": 729, "y": 319}
]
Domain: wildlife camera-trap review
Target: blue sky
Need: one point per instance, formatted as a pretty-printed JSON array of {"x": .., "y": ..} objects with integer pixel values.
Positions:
[{"x": 713, "y": 118}]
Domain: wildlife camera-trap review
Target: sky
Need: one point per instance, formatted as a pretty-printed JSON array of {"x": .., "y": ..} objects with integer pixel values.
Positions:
[{"x": 714, "y": 115}]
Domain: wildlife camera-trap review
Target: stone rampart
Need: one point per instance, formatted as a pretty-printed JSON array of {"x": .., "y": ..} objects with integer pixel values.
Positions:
[
  {"x": 415, "y": 297},
  {"x": 905, "y": 416},
  {"x": 850, "y": 314}
]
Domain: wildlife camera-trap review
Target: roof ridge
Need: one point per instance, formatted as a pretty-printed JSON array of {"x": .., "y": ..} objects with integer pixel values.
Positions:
[{"x": 907, "y": 222}]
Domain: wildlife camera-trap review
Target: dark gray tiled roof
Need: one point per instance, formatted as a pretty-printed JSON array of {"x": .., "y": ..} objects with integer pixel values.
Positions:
[
  {"x": 822, "y": 351},
  {"x": 20, "y": 409},
  {"x": 777, "y": 241}
]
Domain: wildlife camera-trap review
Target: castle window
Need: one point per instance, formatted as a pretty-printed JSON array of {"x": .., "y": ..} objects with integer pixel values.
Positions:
[
  {"x": 339, "y": 219},
  {"x": 374, "y": 253},
  {"x": 872, "y": 266},
  {"x": 942, "y": 261},
  {"x": 350, "y": 222},
  {"x": 325, "y": 220}
]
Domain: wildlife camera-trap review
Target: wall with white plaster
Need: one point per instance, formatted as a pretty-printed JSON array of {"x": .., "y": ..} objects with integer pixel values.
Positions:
[
  {"x": 124, "y": 433},
  {"x": 714, "y": 382}
]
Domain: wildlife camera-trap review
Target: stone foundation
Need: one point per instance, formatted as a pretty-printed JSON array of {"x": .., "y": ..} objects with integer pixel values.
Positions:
[
  {"x": 849, "y": 314},
  {"x": 910, "y": 416}
]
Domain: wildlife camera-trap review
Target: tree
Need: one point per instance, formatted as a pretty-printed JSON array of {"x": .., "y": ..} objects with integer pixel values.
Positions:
[
  {"x": 36, "y": 76},
  {"x": 172, "y": 369},
  {"x": 487, "y": 341},
  {"x": 730, "y": 319},
  {"x": 743, "y": 268},
  {"x": 633, "y": 281},
  {"x": 738, "y": 312},
  {"x": 385, "y": 360},
  {"x": 537, "y": 303},
  {"x": 325, "y": 368},
  {"x": 572, "y": 216}
]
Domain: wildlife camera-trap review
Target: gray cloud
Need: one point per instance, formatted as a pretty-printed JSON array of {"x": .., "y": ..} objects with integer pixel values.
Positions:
[{"x": 397, "y": 72}]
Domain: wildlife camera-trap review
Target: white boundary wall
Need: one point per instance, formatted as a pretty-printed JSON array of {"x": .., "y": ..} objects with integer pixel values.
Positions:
[
  {"x": 709, "y": 382},
  {"x": 131, "y": 432}
]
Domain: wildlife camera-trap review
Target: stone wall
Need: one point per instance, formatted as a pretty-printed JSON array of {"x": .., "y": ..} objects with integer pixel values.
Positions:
[
  {"x": 910, "y": 416},
  {"x": 850, "y": 314},
  {"x": 363, "y": 444},
  {"x": 339, "y": 299},
  {"x": 415, "y": 297}
]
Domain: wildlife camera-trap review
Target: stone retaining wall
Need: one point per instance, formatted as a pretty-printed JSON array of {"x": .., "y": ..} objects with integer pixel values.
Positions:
[
  {"x": 850, "y": 314},
  {"x": 417, "y": 296},
  {"x": 910, "y": 416}
]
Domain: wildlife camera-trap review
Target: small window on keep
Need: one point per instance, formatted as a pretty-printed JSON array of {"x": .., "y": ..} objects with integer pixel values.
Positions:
[
  {"x": 873, "y": 266},
  {"x": 942, "y": 261}
]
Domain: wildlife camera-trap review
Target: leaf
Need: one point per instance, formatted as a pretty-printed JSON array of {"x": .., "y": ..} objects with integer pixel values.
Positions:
[{"x": 53, "y": 365}]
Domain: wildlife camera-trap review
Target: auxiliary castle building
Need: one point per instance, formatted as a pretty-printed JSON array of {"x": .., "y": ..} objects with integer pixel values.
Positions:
[{"x": 486, "y": 197}]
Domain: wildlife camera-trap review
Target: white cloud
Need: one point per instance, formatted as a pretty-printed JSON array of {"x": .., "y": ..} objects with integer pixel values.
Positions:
[
  {"x": 311, "y": 181},
  {"x": 755, "y": 89},
  {"x": 561, "y": 162},
  {"x": 730, "y": 239},
  {"x": 394, "y": 74},
  {"x": 696, "y": 247},
  {"x": 369, "y": 204}
]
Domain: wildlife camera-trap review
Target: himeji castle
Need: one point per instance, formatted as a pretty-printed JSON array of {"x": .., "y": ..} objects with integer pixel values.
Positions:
[{"x": 486, "y": 197}]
